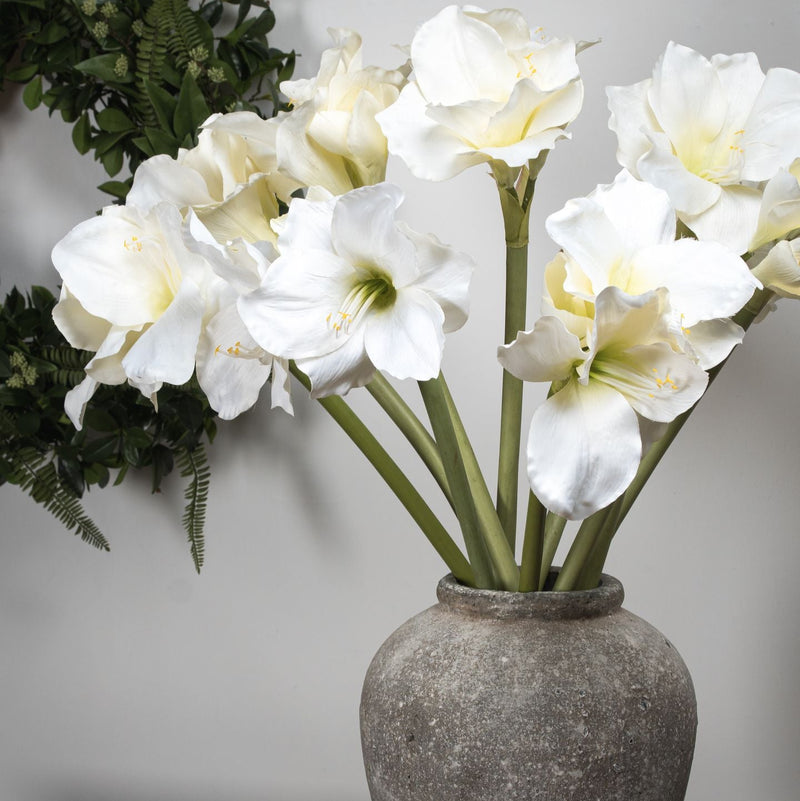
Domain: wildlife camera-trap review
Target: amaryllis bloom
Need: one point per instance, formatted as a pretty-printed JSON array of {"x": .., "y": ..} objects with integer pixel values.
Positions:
[
  {"x": 230, "y": 179},
  {"x": 231, "y": 367},
  {"x": 134, "y": 294},
  {"x": 585, "y": 443},
  {"x": 485, "y": 88},
  {"x": 623, "y": 235},
  {"x": 355, "y": 291},
  {"x": 709, "y": 132},
  {"x": 330, "y": 138}
]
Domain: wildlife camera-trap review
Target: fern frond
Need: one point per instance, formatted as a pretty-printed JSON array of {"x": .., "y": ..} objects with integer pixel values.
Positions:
[
  {"x": 151, "y": 55},
  {"x": 36, "y": 475},
  {"x": 185, "y": 35},
  {"x": 193, "y": 464}
]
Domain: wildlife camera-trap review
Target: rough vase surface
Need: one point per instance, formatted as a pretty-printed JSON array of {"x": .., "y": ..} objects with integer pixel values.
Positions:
[{"x": 497, "y": 696}]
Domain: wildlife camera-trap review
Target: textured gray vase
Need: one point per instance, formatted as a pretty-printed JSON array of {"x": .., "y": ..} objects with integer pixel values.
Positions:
[{"x": 497, "y": 696}]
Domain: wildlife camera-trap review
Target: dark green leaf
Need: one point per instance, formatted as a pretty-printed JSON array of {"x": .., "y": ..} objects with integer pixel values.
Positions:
[
  {"x": 101, "y": 449},
  {"x": 103, "y": 142},
  {"x": 51, "y": 33},
  {"x": 32, "y": 94},
  {"x": 5, "y": 365},
  {"x": 192, "y": 109},
  {"x": 96, "y": 474},
  {"x": 22, "y": 73},
  {"x": 118, "y": 189},
  {"x": 113, "y": 120},
  {"x": 112, "y": 161},
  {"x": 164, "y": 104},
  {"x": 161, "y": 142},
  {"x": 102, "y": 67},
  {"x": 28, "y": 423},
  {"x": 244, "y": 10},
  {"x": 99, "y": 419},
  {"x": 71, "y": 474},
  {"x": 137, "y": 437},
  {"x": 82, "y": 134}
]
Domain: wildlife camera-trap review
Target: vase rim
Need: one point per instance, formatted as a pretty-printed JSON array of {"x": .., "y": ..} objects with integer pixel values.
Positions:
[{"x": 502, "y": 605}]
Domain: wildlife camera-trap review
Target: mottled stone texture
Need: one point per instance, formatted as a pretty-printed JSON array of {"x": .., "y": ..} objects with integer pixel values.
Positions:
[{"x": 495, "y": 696}]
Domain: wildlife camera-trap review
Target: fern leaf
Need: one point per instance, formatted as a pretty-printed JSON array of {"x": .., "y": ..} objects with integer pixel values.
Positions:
[
  {"x": 36, "y": 475},
  {"x": 193, "y": 464}
]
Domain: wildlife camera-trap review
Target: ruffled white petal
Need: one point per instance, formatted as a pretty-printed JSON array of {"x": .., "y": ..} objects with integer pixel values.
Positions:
[
  {"x": 583, "y": 449},
  {"x": 548, "y": 352}
]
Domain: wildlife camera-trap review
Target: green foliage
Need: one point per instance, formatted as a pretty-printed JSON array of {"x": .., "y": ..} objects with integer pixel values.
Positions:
[
  {"x": 136, "y": 78},
  {"x": 40, "y": 450}
]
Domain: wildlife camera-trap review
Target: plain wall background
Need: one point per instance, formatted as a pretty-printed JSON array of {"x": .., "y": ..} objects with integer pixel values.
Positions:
[{"x": 125, "y": 676}]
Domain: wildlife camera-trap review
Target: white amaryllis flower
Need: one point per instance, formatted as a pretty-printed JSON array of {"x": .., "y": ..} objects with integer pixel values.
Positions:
[
  {"x": 355, "y": 291},
  {"x": 623, "y": 235},
  {"x": 231, "y": 367},
  {"x": 230, "y": 179},
  {"x": 136, "y": 295},
  {"x": 709, "y": 132},
  {"x": 330, "y": 138},
  {"x": 585, "y": 444},
  {"x": 485, "y": 88}
]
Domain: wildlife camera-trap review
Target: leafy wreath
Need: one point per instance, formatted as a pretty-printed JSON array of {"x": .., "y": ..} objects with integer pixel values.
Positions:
[{"x": 134, "y": 78}]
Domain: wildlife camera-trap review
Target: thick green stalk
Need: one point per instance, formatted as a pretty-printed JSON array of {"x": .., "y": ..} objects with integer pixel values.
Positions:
[
  {"x": 422, "y": 514},
  {"x": 412, "y": 428},
  {"x": 532, "y": 546},
  {"x": 516, "y": 219},
  {"x": 581, "y": 548},
  {"x": 469, "y": 487},
  {"x": 554, "y": 526}
]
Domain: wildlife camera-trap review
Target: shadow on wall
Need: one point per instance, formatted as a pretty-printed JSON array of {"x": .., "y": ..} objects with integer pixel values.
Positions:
[{"x": 101, "y": 791}]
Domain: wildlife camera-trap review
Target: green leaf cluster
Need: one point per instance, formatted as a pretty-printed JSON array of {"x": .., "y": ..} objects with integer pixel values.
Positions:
[
  {"x": 136, "y": 78},
  {"x": 41, "y": 451}
]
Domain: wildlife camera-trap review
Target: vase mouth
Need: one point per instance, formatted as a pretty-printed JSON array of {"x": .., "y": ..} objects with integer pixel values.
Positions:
[{"x": 502, "y": 605}]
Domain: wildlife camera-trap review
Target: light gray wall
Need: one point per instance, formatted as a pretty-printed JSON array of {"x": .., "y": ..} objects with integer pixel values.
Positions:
[{"x": 125, "y": 676}]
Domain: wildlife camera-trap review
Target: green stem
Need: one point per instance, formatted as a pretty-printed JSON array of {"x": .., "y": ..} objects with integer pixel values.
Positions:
[
  {"x": 554, "y": 526},
  {"x": 532, "y": 546},
  {"x": 581, "y": 548},
  {"x": 516, "y": 219},
  {"x": 483, "y": 533},
  {"x": 412, "y": 428},
  {"x": 431, "y": 527}
]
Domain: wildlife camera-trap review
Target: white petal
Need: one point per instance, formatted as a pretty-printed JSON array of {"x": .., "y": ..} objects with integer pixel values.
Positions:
[
  {"x": 583, "y": 449},
  {"x": 687, "y": 99},
  {"x": 430, "y": 150},
  {"x": 165, "y": 352},
  {"x": 407, "y": 340},
  {"x": 772, "y": 133},
  {"x": 631, "y": 116},
  {"x": 290, "y": 314},
  {"x": 549, "y": 352},
  {"x": 307, "y": 226},
  {"x": 457, "y": 57},
  {"x": 689, "y": 193},
  {"x": 780, "y": 207},
  {"x": 163, "y": 179},
  {"x": 81, "y": 329},
  {"x": 711, "y": 341},
  {"x": 364, "y": 233},
  {"x": 731, "y": 220},
  {"x": 340, "y": 370},
  {"x": 444, "y": 274},
  {"x": 779, "y": 270},
  {"x": 705, "y": 280},
  {"x": 77, "y": 398},
  {"x": 658, "y": 383},
  {"x": 231, "y": 384}
]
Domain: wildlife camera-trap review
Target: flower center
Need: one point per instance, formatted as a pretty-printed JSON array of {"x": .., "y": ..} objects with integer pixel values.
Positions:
[{"x": 374, "y": 291}]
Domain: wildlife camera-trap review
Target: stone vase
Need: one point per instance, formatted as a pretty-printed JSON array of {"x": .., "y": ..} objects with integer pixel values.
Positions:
[{"x": 499, "y": 696}]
